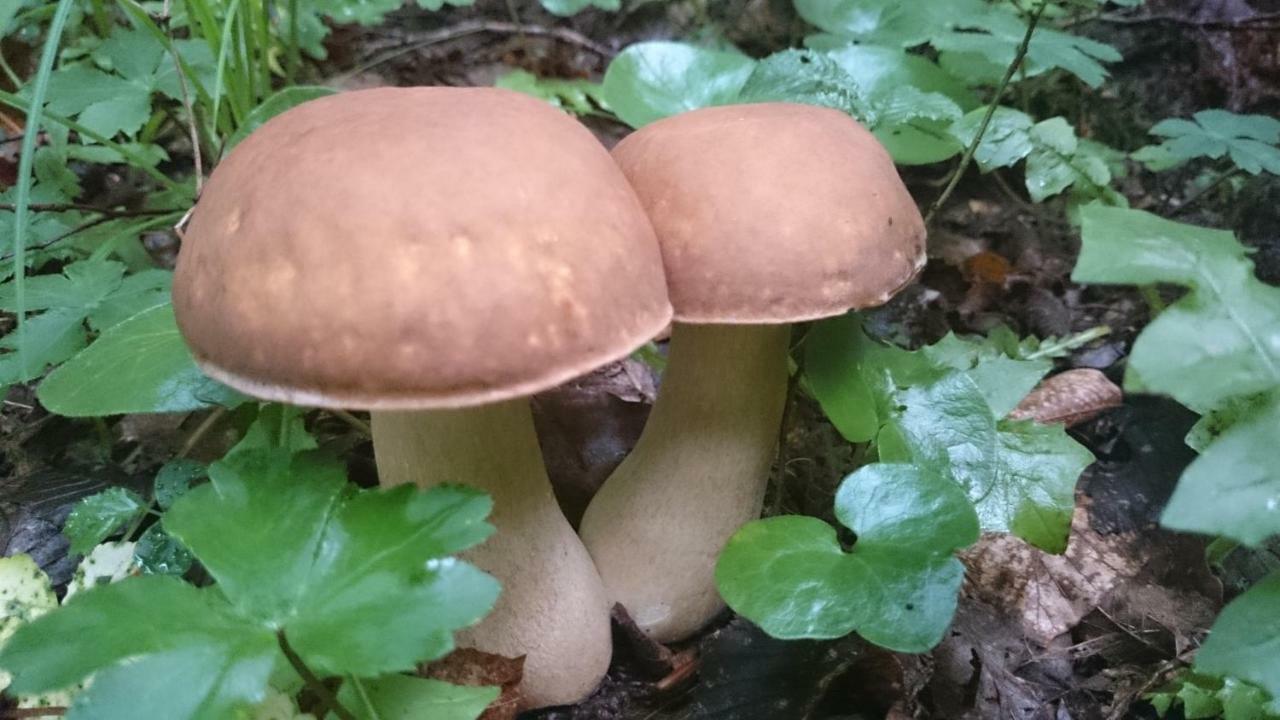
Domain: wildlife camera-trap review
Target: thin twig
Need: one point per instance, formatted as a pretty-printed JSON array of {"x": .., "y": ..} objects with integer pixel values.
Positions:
[
  {"x": 312, "y": 682},
  {"x": 81, "y": 207},
  {"x": 359, "y": 425},
  {"x": 196, "y": 153},
  {"x": 1191, "y": 201},
  {"x": 414, "y": 42},
  {"x": 991, "y": 111},
  {"x": 88, "y": 225},
  {"x": 51, "y": 711}
]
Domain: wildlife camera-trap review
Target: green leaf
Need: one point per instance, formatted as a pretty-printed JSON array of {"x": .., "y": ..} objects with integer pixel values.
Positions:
[
  {"x": 832, "y": 353},
  {"x": 1251, "y": 141},
  {"x": 139, "y": 620},
  {"x": 383, "y": 595},
  {"x": 96, "y": 517},
  {"x": 175, "y": 478},
  {"x": 651, "y": 80},
  {"x": 808, "y": 77},
  {"x": 1003, "y": 380},
  {"x": 135, "y": 293},
  {"x": 275, "y": 104},
  {"x": 401, "y": 697},
  {"x": 1245, "y": 640},
  {"x": 565, "y": 8},
  {"x": 1006, "y": 141},
  {"x": 80, "y": 286},
  {"x": 898, "y": 585},
  {"x": 1222, "y": 339},
  {"x": 580, "y": 97},
  {"x": 141, "y": 365},
  {"x": 1032, "y": 493},
  {"x": 1233, "y": 488},
  {"x": 158, "y": 553},
  {"x": 277, "y": 427},
  {"x": 49, "y": 338}
]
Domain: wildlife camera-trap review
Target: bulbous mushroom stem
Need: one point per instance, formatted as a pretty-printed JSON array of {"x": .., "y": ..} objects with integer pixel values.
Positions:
[
  {"x": 553, "y": 607},
  {"x": 697, "y": 474}
]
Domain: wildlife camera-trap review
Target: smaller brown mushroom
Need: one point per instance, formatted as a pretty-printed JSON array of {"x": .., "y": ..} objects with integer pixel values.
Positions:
[{"x": 767, "y": 215}]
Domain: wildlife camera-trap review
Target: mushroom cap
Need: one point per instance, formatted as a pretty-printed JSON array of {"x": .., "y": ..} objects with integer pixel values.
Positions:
[
  {"x": 413, "y": 248},
  {"x": 773, "y": 212}
]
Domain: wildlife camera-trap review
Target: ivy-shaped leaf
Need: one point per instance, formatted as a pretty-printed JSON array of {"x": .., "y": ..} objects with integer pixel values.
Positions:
[
  {"x": 96, "y": 517},
  {"x": 651, "y": 80},
  {"x": 1245, "y": 640},
  {"x": 897, "y": 586}
]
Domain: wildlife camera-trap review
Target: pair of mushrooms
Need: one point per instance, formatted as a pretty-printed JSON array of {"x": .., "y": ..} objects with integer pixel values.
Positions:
[{"x": 437, "y": 255}]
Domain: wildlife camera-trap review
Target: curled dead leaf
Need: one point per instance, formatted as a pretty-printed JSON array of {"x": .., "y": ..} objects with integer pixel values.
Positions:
[
  {"x": 467, "y": 666},
  {"x": 1069, "y": 398}
]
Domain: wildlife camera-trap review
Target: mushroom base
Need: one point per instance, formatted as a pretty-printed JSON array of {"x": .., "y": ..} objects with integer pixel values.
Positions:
[
  {"x": 553, "y": 608},
  {"x": 697, "y": 474}
]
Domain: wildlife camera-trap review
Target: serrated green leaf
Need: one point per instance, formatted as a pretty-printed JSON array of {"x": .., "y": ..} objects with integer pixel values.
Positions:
[
  {"x": 580, "y": 97},
  {"x": 276, "y": 427},
  {"x": 159, "y": 553},
  {"x": 80, "y": 285},
  {"x": 383, "y": 594},
  {"x": 175, "y": 478},
  {"x": 401, "y": 697},
  {"x": 1251, "y": 141},
  {"x": 96, "y": 517},
  {"x": 1220, "y": 340},
  {"x": 1245, "y": 640},
  {"x": 134, "y": 619},
  {"x": 141, "y": 365},
  {"x": 808, "y": 77},
  {"x": 135, "y": 293},
  {"x": 565, "y": 8},
  {"x": 898, "y": 585},
  {"x": 651, "y": 80},
  {"x": 1233, "y": 488},
  {"x": 1006, "y": 141},
  {"x": 49, "y": 338},
  {"x": 832, "y": 352}
]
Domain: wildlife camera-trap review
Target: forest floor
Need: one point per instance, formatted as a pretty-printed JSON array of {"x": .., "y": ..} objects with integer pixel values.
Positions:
[{"x": 1084, "y": 635}]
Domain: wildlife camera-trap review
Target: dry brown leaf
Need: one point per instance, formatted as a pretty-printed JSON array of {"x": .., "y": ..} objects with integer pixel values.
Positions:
[
  {"x": 467, "y": 666},
  {"x": 1050, "y": 593},
  {"x": 1070, "y": 398}
]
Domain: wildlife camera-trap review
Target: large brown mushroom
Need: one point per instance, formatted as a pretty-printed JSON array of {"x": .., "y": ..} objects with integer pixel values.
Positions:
[
  {"x": 767, "y": 215},
  {"x": 436, "y": 255}
]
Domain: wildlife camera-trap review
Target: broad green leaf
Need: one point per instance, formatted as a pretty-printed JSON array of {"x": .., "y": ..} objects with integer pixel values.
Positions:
[
  {"x": 652, "y": 80},
  {"x": 275, "y": 104},
  {"x": 401, "y": 697},
  {"x": 1252, "y": 142},
  {"x": 141, "y": 365},
  {"x": 175, "y": 478},
  {"x": 1245, "y": 640},
  {"x": 573, "y": 7},
  {"x": 580, "y": 97},
  {"x": 1222, "y": 339},
  {"x": 1214, "y": 423},
  {"x": 158, "y": 553},
  {"x": 96, "y": 517},
  {"x": 898, "y": 585},
  {"x": 381, "y": 596},
  {"x": 1233, "y": 488},
  {"x": 81, "y": 285},
  {"x": 138, "y": 620},
  {"x": 277, "y": 427},
  {"x": 832, "y": 350},
  {"x": 1004, "y": 380},
  {"x": 135, "y": 293}
]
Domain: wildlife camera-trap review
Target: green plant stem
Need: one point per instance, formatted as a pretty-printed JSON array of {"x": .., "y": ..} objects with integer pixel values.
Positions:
[
  {"x": 141, "y": 163},
  {"x": 1204, "y": 192},
  {"x": 969, "y": 152},
  {"x": 25, "y": 174},
  {"x": 1070, "y": 342},
  {"x": 312, "y": 682}
]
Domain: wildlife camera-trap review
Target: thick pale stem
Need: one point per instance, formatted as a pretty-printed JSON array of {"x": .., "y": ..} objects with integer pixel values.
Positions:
[
  {"x": 697, "y": 474},
  {"x": 553, "y": 608}
]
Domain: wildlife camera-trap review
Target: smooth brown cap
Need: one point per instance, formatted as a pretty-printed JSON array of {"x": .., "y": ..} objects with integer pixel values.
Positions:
[
  {"x": 405, "y": 248},
  {"x": 773, "y": 213}
]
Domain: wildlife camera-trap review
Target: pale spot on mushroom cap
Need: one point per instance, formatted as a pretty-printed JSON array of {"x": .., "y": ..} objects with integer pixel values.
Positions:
[{"x": 462, "y": 246}]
